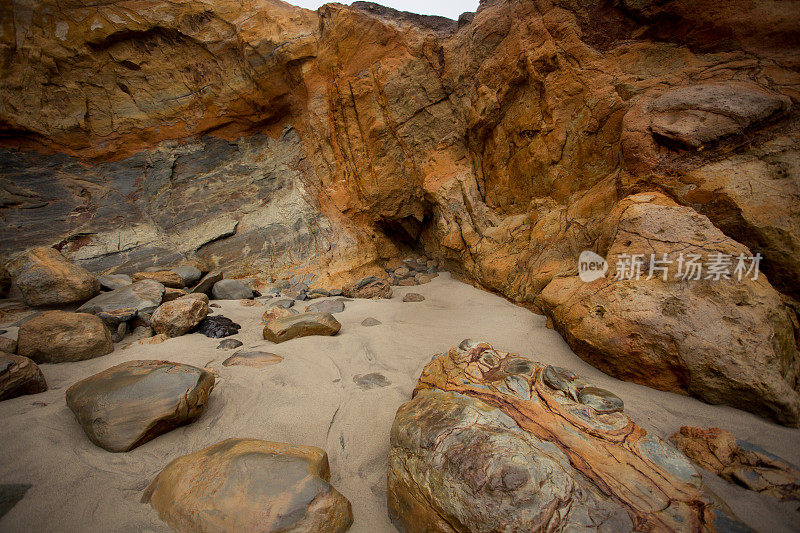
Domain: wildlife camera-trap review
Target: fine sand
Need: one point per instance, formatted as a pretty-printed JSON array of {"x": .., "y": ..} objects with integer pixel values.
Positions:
[{"x": 311, "y": 398}]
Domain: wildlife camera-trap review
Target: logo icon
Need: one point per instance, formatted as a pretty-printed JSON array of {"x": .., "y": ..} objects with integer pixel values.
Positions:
[{"x": 591, "y": 266}]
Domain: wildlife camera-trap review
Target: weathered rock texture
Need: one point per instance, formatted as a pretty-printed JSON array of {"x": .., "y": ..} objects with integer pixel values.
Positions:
[
  {"x": 45, "y": 277},
  {"x": 19, "y": 375},
  {"x": 739, "y": 462},
  {"x": 301, "y": 325},
  {"x": 179, "y": 316},
  {"x": 59, "y": 337},
  {"x": 256, "y": 136},
  {"x": 494, "y": 441},
  {"x": 134, "y": 402},
  {"x": 250, "y": 485}
]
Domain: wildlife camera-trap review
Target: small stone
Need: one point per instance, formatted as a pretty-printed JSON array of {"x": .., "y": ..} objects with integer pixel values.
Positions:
[
  {"x": 336, "y": 292},
  {"x": 180, "y": 316},
  {"x": 369, "y": 287},
  {"x": 231, "y": 289},
  {"x": 368, "y": 322},
  {"x": 600, "y": 400},
  {"x": 155, "y": 339},
  {"x": 301, "y": 325},
  {"x": 229, "y": 344},
  {"x": 118, "y": 333},
  {"x": 218, "y": 327},
  {"x": 250, "y": 485},
  {"x": 276, "y": 312},
  {"x": 58, "y": 336},
  {"x": 207, "y": 283},
  {"x": 402, "y": 272},
  {"x": 18, "y": 376},
  {"x": 172, "y": 294},
  {"x": 189, "y": 274},
  {"x": 253, "y": 359},
  {"x": 413, "y": 297},
  {"x": 250, "y": 303},
  {"x": 10, "y": 495},
  {"x": 422, "y": 279},
  {"x": 134, "y": 402},
  {"x": 217, "y": 306},
  {"x": 112, "y": 282},
  {"x": 8, "y": 345},
  {"x": 371, "y": 381},
  {"x": 285, "y": 303},
  {"x": 327, "y": 306},
  {"x": 408, "y": 282},
  {"x": 164, "y": 277}
]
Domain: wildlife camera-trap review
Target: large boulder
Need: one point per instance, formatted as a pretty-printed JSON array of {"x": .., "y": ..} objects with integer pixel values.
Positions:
[
  {"x": 143, "y": 296},
  {"x": 301, "y": 325},
  {"x": 179, "y": 316},
  {"x": 250, "y": 485},
  {"x": 129, "y": 404},
  {"x": 231, "y": 289},
  {"x": 369, "y": 287},
  {"x": 726, "y": 341},
  {"x": 19, "y": 375},
  {"x": 165, "y": 277},
  {"x": 59, "y": 336},
  {"x": 489, "y": 444},
  {"x": 45, "y": 277},
  {"x": 739, "y": 462}
]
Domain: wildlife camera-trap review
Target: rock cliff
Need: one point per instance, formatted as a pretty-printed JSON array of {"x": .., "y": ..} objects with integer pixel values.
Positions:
[{"x": 271, "y": 139}]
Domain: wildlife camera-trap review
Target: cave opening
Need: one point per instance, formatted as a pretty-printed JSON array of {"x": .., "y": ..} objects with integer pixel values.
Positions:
[{"x": 407, "y": 234}]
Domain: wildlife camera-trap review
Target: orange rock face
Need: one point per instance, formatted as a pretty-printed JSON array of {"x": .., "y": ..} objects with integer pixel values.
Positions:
[{"x": 261, "y": 137}]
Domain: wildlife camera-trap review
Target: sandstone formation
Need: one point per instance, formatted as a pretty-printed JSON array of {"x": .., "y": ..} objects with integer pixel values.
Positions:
[
  {"x": 739, "y": 462},
  {"x": 45, "y": 277},
  {"x": 250, "y": 485},
  {"x": 274, "y": 141},
  {"x": 143, "y": 296},
  {"x": 488, "y": 444},
  {"x": 59, "y": 337},
  {"x": 19, "y": 375},
  {"x": 726, "y": 341},
  {"x": 254, "y": 359},
  {"x": 301, "y": 325},
  {"x": 134, "y": 402},
  {"x": 179, "y": 316}
]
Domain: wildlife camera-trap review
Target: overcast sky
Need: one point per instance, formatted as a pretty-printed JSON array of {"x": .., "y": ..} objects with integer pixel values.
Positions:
[{"x": 446, "y": 8}]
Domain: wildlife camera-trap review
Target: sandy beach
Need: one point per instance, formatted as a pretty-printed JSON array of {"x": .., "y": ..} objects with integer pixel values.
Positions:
[{"x": 311, "y": 398}]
